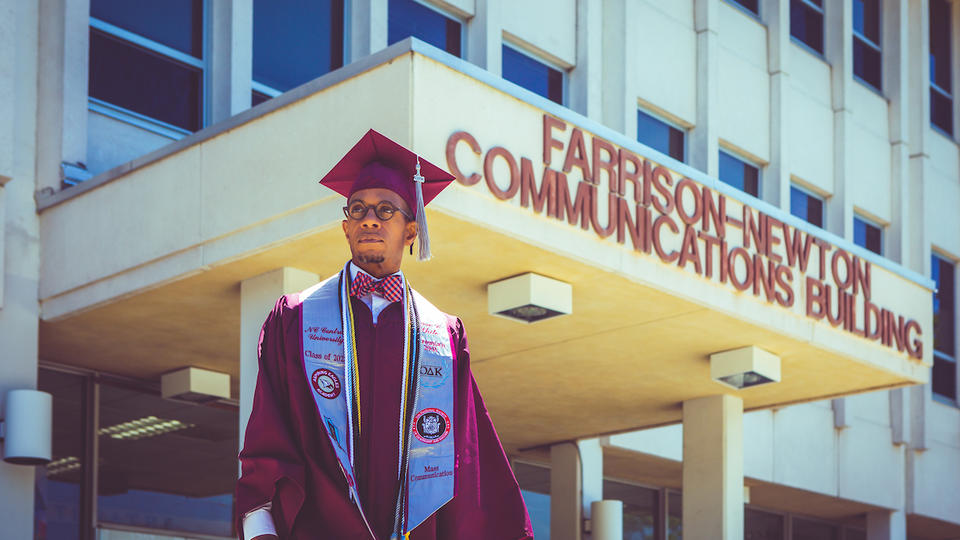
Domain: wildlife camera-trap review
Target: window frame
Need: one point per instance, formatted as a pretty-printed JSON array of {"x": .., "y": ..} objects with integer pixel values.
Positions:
[
  {"x": 876, "y": 46},
  {"x": 756, "y": 15},
  {"x": 940, "y": 398},
  {"x": 521, "y": 49},
  {"x": 685, "y": 131},
  {"x": 448, "y": 15},
  {"x": 808, "y": 4},
  {"x": 811, "y": 193},
  {"x": 155, "y": 125},
  {"x": 746, "y": 161},
  {"x": 873, "y": 223},
  {"x": 271, "y": 92},
  {"x": 933, "y": 86}
]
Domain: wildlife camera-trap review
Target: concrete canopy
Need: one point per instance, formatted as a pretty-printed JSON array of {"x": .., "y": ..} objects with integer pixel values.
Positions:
[{"x": 142, "y": 265}]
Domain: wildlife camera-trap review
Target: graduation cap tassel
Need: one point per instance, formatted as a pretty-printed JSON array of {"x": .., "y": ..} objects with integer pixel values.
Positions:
[{"x": 423, "y": 249}]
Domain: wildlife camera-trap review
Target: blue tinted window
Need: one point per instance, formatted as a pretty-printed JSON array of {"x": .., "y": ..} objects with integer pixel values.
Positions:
[
  {"x": 867, "y": 58},
  {"x": 806, "y": 206},
  {"x": 145, "y": 82},
  {"x": 941, "y": 99},
  {"x": 295, "y": 41},
  {"x": 867, "y": 235},
  {"x": 408, "y": 18},
  {"x": 660, "y": 135},
  {"x": 806, "y": 23},
  {"x": 944, "y": 373},
  {"x": 753, "y": 6},
  {"x": 739, "y": 174},
  {"x": 174, "y": 23},
  {"x": 533, "y": 75}
]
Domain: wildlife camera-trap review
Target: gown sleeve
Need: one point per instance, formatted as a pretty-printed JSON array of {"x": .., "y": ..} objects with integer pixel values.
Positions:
[
  {"x": 272, "y": 467},
  {"x": 487, "y": 502}
]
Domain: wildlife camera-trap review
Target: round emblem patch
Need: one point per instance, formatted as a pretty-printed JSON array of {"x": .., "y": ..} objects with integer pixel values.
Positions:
[
  {"x": 326, "y": 383},
  {"x": 431, "y": 425}
]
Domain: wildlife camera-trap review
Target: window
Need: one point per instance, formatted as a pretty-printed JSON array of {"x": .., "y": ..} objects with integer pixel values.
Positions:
[
  {"x": 867, "y": 60},
  {"x": 147, "y": 62},
  {"x": 739, "y": 174},
  {"x": 532, "y": 74},
  {"x": 294, "y": 42},
  {"x": 814, "y": 530},
  {"x": 941, "y": 96},
  {"x": 411, "y": 18},
  {"x": 753, "y": 6},
  {"x": 760, "y": 525},
  {"x": 639, "y": 508},
  {"x": 534, "y": 481},
  {"x": 806, "y": 206},
  {"x": 944, "y": 329},
  {"x": 660, "y": 135},
  {"x": 868, "y": 234},
  {"x": 163, "y": 465},
  {"x": 806, "y": 23}
]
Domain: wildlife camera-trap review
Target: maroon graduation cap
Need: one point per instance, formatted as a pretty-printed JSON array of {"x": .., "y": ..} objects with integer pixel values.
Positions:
[{"x": 378, "y": 162}]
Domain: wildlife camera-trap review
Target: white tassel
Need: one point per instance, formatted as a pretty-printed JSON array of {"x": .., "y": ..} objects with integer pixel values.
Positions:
[{"x": 423, "y": 251}]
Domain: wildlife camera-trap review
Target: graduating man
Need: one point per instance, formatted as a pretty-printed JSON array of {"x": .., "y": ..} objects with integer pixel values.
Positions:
[{"x": 366, "y": 421}]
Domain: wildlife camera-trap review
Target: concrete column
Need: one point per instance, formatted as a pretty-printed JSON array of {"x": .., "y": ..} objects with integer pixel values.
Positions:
[
  {"x": 231, "y": 58},
  {"x": 62, "y": 91},
  {"x": 704, "y": 145},
  {"x": 19, "y": 226},
  {"x": 838, "y": 39},
  {"x": 896, "y": 48},
  {"x": 257, "y": 297},
  {"x": 485, "y": 36},
  {"x": 615, "y": 106},
  {"x": 576, "y": 481},
  {"x": 586, "y": 78},
  {"x": 776, "y": 179},
  {"x": 886, "y": 525},
  {"x": 368, "y": 27},
  {"x": 713, "y": 468}
]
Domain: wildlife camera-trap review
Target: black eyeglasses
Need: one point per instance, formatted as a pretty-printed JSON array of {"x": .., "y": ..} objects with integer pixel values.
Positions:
[{"x": 383, "y": 210}]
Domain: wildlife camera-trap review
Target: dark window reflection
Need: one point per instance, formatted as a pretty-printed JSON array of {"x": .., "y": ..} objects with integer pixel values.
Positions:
[
  {"x": 867, "y": 235},
  {"x": 813, "y": 530},
  {"x": 296, "y": 41},
  {"x": 739, "y": 174},
  {"x": 57, "y": 504},
  {"x": 806, "y": 22},
  {"x": 752, "y": 6},
  {"x": 534, "y": 481},
  {"x": 660, "y": 135},
  {"x": 762, "y": 525},
  {"x": 806, "y": 206},
  {"x": 674, "y": 516},
  {"x": 535, "y": 76},
  {"x": 639, "y": 509},
  {"x": 409, "y": 18},
  {"x": 145, "y": 82},
  {"x": 174, "y": 23},
  {"x": 165, "y": 464}
]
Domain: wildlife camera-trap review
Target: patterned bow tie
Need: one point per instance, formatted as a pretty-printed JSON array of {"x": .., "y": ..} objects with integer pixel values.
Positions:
[{"x": 390, "y": 287}]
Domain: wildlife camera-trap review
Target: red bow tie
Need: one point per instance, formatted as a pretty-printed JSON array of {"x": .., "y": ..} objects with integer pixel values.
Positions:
[{"x": 390, "y": 287}]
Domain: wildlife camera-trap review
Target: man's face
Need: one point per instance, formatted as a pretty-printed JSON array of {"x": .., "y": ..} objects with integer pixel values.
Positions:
[{"x": 377, "y": 246}]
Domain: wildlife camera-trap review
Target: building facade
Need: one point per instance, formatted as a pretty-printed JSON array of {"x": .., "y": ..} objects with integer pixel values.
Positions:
[{"x": 774, "y": 179}]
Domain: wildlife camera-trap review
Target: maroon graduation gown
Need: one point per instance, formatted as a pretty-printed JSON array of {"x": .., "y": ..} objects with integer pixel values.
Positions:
[{"x": 288, "y": 460}]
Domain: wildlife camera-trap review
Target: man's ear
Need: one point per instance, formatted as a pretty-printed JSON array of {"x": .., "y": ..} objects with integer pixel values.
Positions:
[
  {"x": 343, "y": 225},
  {"x": 410, "y": 233}
]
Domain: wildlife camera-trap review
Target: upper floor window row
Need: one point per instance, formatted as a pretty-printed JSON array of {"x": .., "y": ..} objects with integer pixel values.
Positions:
[
  {"x": 147, "y": 62},
  {"x": 944, "y": 374},
  {"x": 941, "y": 87},
  {"x": 806, "y": 205},
  {"x": 739, "y": 173},
  {"x": 540, "y": 78},
  {"x": 661, "y": 136},
  {"x": 867, "y": 57},
  {"x": 806, "y": 23}
]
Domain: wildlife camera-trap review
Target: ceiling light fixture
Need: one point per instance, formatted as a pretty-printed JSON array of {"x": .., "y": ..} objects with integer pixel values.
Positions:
[
  {"x": 149, "y": 426},
  {"x": 745, "y": 367},
  {"x": 529, "y": 298}
]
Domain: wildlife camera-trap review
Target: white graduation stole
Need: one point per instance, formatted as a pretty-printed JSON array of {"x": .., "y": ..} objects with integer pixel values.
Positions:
[{"x": 426, "y": 442}]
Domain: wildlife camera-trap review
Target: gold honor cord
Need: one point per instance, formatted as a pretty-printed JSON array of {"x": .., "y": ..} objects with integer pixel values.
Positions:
[{"x": 411, "y": 383}]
